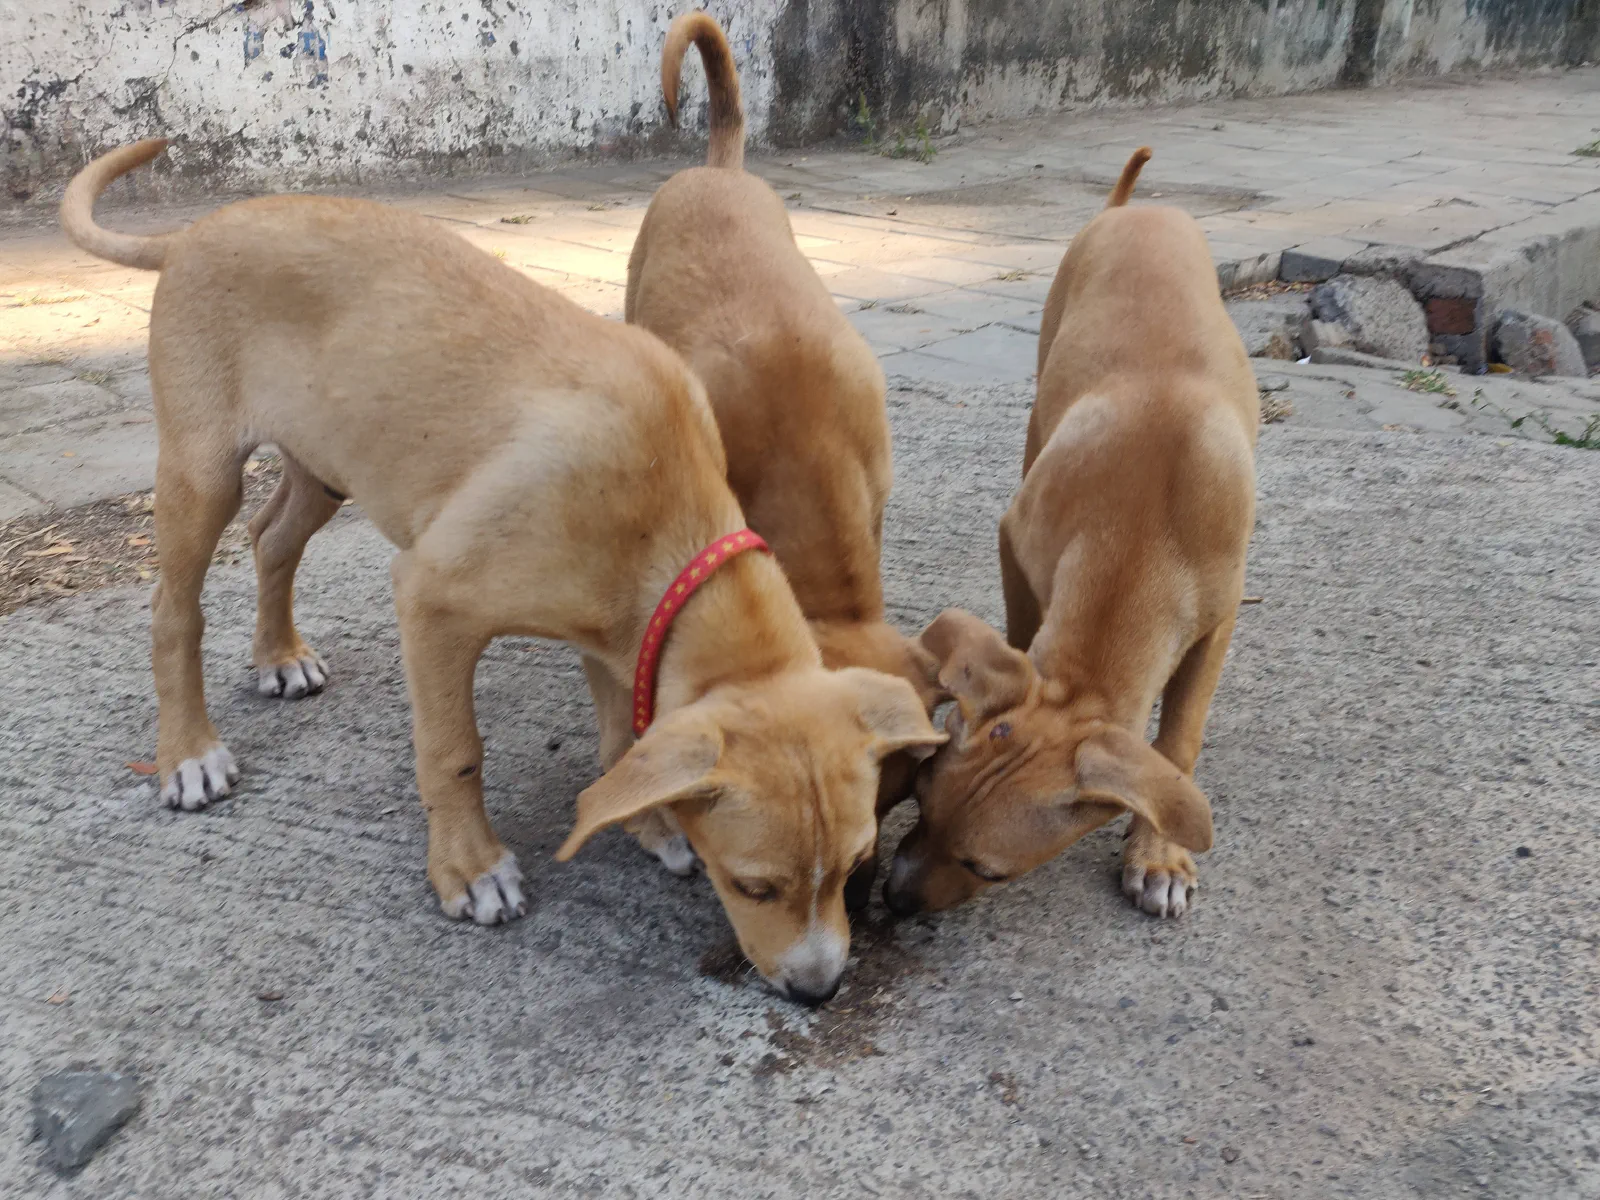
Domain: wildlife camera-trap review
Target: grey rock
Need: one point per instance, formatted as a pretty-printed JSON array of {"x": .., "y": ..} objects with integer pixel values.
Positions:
[
  {"x": 75, "y": 1111},
  {"x": 1393, "y": 262},
  {"x": 1271, "y": 326},
  {"x": 1585, "y": 327},
  {"x": 1381, "y": 316},
  {"x": 1535, "y": 345},
  {"x": 1323, "y": 335}
]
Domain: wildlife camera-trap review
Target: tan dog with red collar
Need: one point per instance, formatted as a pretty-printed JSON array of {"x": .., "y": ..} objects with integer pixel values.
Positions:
[
  {"x": 542, "y": 472},
  {"x": 798, "y": 394},
  {"x": 1122, "y": 559}
]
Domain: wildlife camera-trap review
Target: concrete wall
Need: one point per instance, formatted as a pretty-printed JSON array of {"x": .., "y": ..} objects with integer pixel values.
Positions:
[
  {"x": 268, "y": 92},
  {"x": 274, "y": 93}
]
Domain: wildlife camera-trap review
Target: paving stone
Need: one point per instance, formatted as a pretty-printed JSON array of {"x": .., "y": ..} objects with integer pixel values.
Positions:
[
  {"x": 1395, "y": 262},
  {"x": 1317, "y": 260}
]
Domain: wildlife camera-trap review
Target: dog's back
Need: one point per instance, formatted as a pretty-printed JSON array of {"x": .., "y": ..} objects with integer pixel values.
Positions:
[{"x": 1139, "y": 473}]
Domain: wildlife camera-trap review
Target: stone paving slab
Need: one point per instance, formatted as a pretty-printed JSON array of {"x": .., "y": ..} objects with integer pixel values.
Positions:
[
  {"x": 1386, "y": 987},
  {"x": 970, "y": 239}
]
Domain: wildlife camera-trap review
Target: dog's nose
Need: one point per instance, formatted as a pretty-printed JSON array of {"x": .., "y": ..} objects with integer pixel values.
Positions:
[
  {"x": 902, "y": 903},
  {"x": 813, "y": 999}
]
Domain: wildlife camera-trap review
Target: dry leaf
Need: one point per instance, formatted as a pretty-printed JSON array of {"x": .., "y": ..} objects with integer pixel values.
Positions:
[
  {"x": 50, "y": 551},
  {"x": 138, "y": 539},
  {"x": 141, "y": 768},
  {"x": 57, "y": 998},
  {"x": 69, "y": 454}
]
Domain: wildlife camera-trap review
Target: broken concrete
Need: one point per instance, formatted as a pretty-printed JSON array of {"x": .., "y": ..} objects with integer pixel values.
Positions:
[
  {"x": 76, "y": 1111},
  {"x": 1535, "y": 345},
  {"x": 1380, "y": 316}
]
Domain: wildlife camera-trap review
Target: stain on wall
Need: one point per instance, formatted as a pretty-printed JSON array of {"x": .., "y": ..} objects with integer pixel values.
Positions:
[
  {"x": 267, "y": 93},
  {"x": 264, "y": 94}
]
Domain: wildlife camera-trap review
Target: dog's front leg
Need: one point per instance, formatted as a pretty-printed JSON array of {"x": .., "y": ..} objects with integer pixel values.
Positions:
[{"x": 440, "y": 643}]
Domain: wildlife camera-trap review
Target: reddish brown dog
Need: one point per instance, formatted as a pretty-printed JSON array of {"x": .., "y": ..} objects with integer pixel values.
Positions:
[
  {"x": 798, "y": 395},
  {"x": 1122, "y": 559}
]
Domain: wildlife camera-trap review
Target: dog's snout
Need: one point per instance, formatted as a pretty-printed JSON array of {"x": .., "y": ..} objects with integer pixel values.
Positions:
[{"x": 814, "y": 998}]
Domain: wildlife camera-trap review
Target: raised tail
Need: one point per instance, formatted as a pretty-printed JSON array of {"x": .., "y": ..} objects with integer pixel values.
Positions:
[
  {"x": 1130, "y": 176},
  {"x": 77, "y": 209},
  {"x": 727, "y": 109}
]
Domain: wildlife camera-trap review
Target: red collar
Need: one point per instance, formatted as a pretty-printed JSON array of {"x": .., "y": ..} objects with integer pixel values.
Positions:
[{"x": 655, "y": 636}]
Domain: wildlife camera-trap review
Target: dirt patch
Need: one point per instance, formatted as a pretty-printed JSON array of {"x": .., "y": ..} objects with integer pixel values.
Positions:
[
  {"x": 844, "y": 1029},
  {"x": 107, "y": 544}
]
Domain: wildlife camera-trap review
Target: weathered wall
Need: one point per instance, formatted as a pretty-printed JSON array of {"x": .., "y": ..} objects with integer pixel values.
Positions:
[
  {"x": 1427, "y": 37},
  {"x": 272, "y": 93}
]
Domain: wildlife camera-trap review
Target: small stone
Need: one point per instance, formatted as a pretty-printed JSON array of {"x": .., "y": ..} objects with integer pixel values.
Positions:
[
  {"x": 75, "y": 1111},
  {"x": 1126, "y": 1002},
  {"x": 1524, "y": 852},
  {"x": 269, "y": 995},
  {"x": 1229, "y": 1154},
  {"x": 1327, "y": 1130},
  {"x": 1535, "y": 345}
]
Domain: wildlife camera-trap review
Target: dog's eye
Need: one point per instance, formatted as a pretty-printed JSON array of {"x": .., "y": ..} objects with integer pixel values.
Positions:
[
  {"x": 755, "y": 889},
  {"x": 1001, "y": 730},
  {"x": 982, "y": 872}
]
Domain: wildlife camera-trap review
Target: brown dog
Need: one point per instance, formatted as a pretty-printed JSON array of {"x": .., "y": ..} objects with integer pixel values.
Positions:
[
  {"x": 798, "y": 395},
  {"x": 1122, "y": 559},
  {"x": 542, "y": 472}
]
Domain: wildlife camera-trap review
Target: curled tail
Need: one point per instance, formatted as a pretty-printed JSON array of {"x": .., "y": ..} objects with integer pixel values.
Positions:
[
  {"x": 727, "y": 109},
  {"x": 1130, "y": 176},
  {"x": 77, "y": 209}
]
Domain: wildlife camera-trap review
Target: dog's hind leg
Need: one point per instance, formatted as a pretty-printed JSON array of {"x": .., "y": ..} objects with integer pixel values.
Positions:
[
  {"x": 1159, "y": 875},
  {"x": 197, "y": 494},
  {"x": 441, "y": 639},
  {"x": 285, "y": 665}
]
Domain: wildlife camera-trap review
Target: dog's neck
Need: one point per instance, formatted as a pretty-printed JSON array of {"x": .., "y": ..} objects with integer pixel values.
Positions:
[{"x": 741, "y": 625}]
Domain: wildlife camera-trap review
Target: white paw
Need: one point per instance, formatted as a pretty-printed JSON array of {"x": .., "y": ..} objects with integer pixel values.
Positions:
[
  {"x": 199, "y": 781},
  {"x": 303, "y": 677},
  {"x": 1157, "y": 892},
  {"x": 676, "y": 855},
  {"x": 493, "y": 897}
]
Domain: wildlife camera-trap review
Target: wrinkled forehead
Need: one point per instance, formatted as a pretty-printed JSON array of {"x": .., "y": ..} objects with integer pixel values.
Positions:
[{"x": 978, "y": 779}]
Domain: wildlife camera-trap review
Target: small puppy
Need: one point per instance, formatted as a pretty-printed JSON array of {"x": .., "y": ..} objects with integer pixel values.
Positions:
[
  {"x": 542, "y": 472},
  {"x": 1122, "y": 559},
  {"x": 798, "y": 395}
]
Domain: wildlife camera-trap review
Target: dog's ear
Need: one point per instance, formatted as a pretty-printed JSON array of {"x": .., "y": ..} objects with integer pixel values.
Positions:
[
  {"x": 668, "y": 765},
  {"x": 976, "y": 668},
  {"x": 1113, "y": 766},
  {"x": 893, "y": 713}
]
